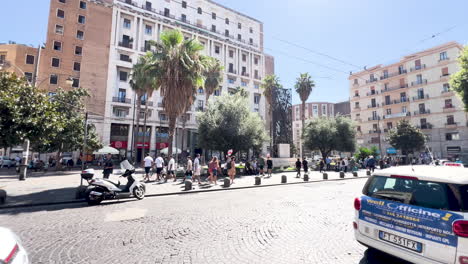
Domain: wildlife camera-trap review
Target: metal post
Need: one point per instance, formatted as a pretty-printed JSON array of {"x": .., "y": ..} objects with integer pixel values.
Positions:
[
  {"x": 133, "y": 128},
  {"x": 85, "y": 142},
  {"x": 24, "y": 163},
  {"x": 379, "y": 131}
]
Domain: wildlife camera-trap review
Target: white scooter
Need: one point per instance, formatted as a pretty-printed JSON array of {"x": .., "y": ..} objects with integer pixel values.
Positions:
[{"x": 105, "y": 189}]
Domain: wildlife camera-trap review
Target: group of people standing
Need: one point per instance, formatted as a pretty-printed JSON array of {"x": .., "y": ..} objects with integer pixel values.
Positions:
[{"x": 165, "y": 168}]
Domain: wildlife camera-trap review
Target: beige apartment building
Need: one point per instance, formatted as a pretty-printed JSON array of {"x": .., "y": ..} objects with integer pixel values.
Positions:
[
  {"x": 415, "y": 88},
  {"x": 20, "y": 59}
]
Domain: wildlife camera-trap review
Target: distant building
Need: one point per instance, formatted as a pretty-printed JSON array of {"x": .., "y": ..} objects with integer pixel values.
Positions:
[
  {"x": 343, "y": 108},
  {"x": 20, "y": 59}
]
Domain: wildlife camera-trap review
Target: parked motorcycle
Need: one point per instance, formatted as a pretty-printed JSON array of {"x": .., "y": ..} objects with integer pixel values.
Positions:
[{"x": 105, "y": 189}]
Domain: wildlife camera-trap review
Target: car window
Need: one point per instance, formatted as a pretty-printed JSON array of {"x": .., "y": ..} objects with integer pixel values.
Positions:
[{"x": 427, "y": 194}]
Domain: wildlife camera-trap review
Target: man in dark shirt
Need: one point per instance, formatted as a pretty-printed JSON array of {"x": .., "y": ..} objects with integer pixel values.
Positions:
[
  {"x": 305, "y": 166},
  {"x": 298, "y": 168},
  {"x": 108, "y": 166}
]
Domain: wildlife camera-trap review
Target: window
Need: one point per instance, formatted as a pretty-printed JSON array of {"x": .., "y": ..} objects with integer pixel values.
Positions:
[
  {"x": 76, "y": 83},
  {"x": 127, "y": 23},
  {"x": 445, "y": 71},
  {"x": 82, "y": 4},
  {"x": 239, "y": 37},
  {"x": 148, "y": 30},
  {"x": 244, "y": 70},
  {"x": 226, "y": 21},
  {"x": 446, "y": 87},
  {"x": 184, "y": 4},
  {"x": 59, "y": 29},
  {"x": 257, "y": 98},
  {"x": 57, "y": 45},
  {"x": 256, "y": 73},
  {"x": 452, "y": 136},
  {"x": 230, "y": 80},
  {"x": 80, "y": 34},
  {"x": 385, "y": 73},
  {"x": 78, "y": 50},
  {"x": 389, "y": 125},
  {"x": 355, "y": 81},
  {"x": 226, "y": 33},
  {"x": 401, "y": 69},
  {"x": 256, "y": 61},
  {"x": 60, "y": 13},
  {"x": 53, "y": 79},
  {"x": 356, "y": 93},
  {"x": 123, "y": 75},
  {"x": 213, "y": 15},
  {"x": 324, "y": 110},
  {"x": 251, "y": 30},
  {"x": 356, "y": 105},
  {"x": 122, "y": 95},
  {"x": 29, "y": 59},
  {"x": 315, "y": 109},
  {"x": 256, "y": 86},
  {"x": 231, "y": 54},
  {"x": 148, "y": 6},
  {"x": 200, "y": 105},
  {"x": 448, "y": 103},
  {"x": 62, "y": 1},
  {"x": 450, "y": 120},
  {"x": 200, "y": 90},
  {"x": 213, "y": 28},
  {"x": 389, "y": 111},
  {"x": 125, "y": 57},
  {"x": 217, "y": 92},
  {"x": 28, "y": 76},
  {"x": 443, "y": 56},
  {"x": 217, "y": 49},
  {"x": 119, "y": 112},
  {"x": 2, "y": 58},
  {"x": 239, "y": 25},
  {"x": 77, "y": 66},
  {"x": 199, "y": 10},
  {"x": 419, "y": 79},
  {"x": 359, "y": 128},
  {"x": 81, "y": 19},
  {"x": 55, "y": 62},
  {"x": 231, "y": 68},
  {"x": 244, "y": 57},
  {"x": 183, "y": 17},
  {"x": 403, "y": 109},
  {"x": 167, "y": 12},
  {"x": 243, "y": 83}
]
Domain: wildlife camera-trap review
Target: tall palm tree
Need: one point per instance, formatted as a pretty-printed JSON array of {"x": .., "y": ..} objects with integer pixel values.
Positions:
[
  {"x": 270, "y": 82},
  {"x": 177, "y": 66},
  {"x": 304, "y": 85},
  {"x": 213, "y": 76},
  {"x": 143, "y": 84}
]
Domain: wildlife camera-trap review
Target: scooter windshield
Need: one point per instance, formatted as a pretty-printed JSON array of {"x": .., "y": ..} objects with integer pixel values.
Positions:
[{"x": 125, "y": 165}]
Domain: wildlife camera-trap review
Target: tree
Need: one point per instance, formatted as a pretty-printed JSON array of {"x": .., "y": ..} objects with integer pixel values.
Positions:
[
  {"x": 304, "y": 85},
  {"x": 364, "y": 152},
  {"x": 459, "y": 80},
  {"x": 270, "y": 82},
  {"x": 228, "y": 123},
  {"x": 177, "y": 66},
  {"x": 328, "y": 134},
  {"x": 406, "y": 137},
  {"x": 213, "y": 76},
  {"x": 26, "y": 113}
]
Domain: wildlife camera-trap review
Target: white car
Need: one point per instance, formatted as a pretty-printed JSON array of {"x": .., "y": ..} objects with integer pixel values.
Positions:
[
  {"x": 11, "y": 250},
  {"x": 419, "y": 213},
  {"x": 6, "y": 162}
]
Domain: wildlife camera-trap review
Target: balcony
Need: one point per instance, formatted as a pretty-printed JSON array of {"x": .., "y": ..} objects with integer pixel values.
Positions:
[
  {"x": 166, "y": 14},
  {"x": 396, "y": 115},
  {"x": 393, "y": 74},
  {"x": 373, "y": 118},
  {"x": 126, "y": 44},
  {"x": 420, "y": 82},
  {"x": 148, "y": 8},
  {"x": 421, "y": 97},
  {"x": 126, "y": 59},
  {"x": 449, "y": 108},
  {"x": 160, "y": 104},
  {"x": 417, "y": 68},
  {"x": 257, "y": 77},
  {"x": 444, "y": 59},
  {"x": 356, "y": 96},
  {"x": 393, "y": 88},
  {"x": 451, "y": 125},
  {"x": 445, "y": 76},
  {"x": 149, "y": 103},
  {"x": 372, "y": 92},
  {"x": 232, "y": 71},
  {"x": 145, "y": 49},
  {"x": 121, "y": 100},
  {"x": 447, "y": 92},
  {"x": 373, "y": 106},
  {"x": 355, "y": 84},
  {"x": 245, "y": 74},
  {"x": 375, "y": 131},
  {"x": 372, "y": 80},
  {"x": 422, "y": 112},
  {"x": 357, "y": 107},
  {"x": 425, "y": 126}
]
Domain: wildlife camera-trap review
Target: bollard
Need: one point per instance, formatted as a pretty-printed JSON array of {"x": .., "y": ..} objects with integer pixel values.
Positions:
[
  {"x": 3, "y": 195},
  {"x": 258, "y": 180},
  {"x": 355, "y": 174},
  {"x": 306, "y": 177},
  {"x": 341, "y": 174},
  {"x": 227, "y": 182},
  {"x": 188, "y": 185},
  {"x": 368, "y": 173},
  {"x": 325, "y": 176},
  {"x": 284, "y": 179}
]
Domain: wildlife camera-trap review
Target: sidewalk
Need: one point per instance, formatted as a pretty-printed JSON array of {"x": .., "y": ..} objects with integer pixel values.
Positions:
[{"x": 60, "y": 187}]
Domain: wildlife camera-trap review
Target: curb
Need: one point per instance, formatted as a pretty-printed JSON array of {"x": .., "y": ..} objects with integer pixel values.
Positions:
[{"x": 183, "y": 192}]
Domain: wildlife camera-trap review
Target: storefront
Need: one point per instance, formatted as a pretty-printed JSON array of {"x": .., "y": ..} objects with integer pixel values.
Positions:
[
  {"x": 119, "y": 138},
  {"x": 143, "y": 140}
]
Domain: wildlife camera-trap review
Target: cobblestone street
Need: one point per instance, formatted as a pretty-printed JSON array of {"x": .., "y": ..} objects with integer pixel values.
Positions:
[{"x": 307, "y": 223}]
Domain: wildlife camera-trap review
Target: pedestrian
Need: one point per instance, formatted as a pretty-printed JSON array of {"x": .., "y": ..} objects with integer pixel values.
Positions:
[
  {"x": 171, "y": 166},
  {"x": 231, "y": 167},
  {"x": 346, "y": 164},
  {"x": 305, "y": 166},
  {"x": 352, "y": 164},
  {"x": 159, "y": 162},
  {"x": 328, "y": 163},
  {"x": 269, "y": 166},
  {"x": 254, "y": 166},
  {"x": 188, "y": 171},
  {"x": 214, "y": 168},
  {"x": 371, "y": 163},
  {"x": 298, "y": 168},
  {"x": 108, "y": 166},
  {"x": 381, "y": 164},
  {"x": 147, "y": 164},
  {"x": 197, "y": 168},
  {"x": 321, "y": 165},
  {"x": 261, "y": 165},
  {"x": 70, "y": 164}
]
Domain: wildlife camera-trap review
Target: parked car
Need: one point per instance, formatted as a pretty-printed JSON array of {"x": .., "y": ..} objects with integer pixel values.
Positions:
[
  {"x": 416, "y": 213},
  {"x": 6, "y": 162},
  {"x": 11, "y": 250}
]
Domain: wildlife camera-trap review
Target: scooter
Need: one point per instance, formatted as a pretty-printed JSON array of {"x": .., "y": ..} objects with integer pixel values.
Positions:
[{"x": 105, "y": 189}]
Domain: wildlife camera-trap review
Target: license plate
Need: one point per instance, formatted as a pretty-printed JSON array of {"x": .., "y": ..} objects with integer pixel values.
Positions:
[{"x": 401, "y": 241}]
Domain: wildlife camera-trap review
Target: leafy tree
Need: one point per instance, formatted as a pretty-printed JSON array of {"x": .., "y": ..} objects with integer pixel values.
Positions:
[
  {"x": 228, "y": 123},
  {"x": 25, "y": 113},
  {"x": 364, "y": 152},
  {"x": 177, "y": 66},
  {"x": 213, "y": 76},
  {"x": 270, "y": 82},
  {"x": 304, "y": 85},
  {"x": 459, "y": 80},
  {"x": 328, "y": 134},
  {"x": 406, "y": 137}
]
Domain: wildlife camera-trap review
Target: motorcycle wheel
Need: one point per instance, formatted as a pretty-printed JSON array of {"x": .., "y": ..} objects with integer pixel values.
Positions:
[
  {"x": 93, "y": 200},
  {"x": 139, "y": 192}
]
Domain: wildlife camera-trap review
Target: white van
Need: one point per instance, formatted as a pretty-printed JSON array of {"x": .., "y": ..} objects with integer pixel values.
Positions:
[{"x": 419, "y": 214}]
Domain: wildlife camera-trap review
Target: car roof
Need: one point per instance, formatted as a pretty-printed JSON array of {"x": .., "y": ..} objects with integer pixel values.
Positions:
[{"x": 455, "y": 175}]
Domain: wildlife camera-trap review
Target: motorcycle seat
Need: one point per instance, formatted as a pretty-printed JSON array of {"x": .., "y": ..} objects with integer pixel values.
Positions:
[{"x": 117, "y": 184}]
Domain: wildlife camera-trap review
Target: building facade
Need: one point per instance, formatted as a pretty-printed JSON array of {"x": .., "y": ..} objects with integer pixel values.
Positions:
[
  {"x": 416, "y": 88},
  {"x": 20, "y": 59}
]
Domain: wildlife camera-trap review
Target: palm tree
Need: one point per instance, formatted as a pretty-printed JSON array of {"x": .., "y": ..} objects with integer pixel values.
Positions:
[
  {"x": 143, "y": 84},
  {"x": 270, "y": 82},
  {"x": 304, "y": 86},
  {"x": 213, "y": 76},
  {"x": 177, "y": 66}
]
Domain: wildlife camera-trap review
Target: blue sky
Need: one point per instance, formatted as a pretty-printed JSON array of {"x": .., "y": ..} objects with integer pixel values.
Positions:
[{"x": 358, "y": 32}]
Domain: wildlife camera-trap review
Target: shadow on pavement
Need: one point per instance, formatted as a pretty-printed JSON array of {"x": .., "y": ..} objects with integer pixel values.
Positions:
[{"x": 372, "y": 256}]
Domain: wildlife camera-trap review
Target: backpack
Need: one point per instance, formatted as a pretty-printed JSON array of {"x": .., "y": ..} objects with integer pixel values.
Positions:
[{"x": 228, "y": 165}]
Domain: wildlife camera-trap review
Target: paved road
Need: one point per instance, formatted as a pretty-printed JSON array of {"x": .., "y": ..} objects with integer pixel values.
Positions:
[{"x": 309, "y": 223}]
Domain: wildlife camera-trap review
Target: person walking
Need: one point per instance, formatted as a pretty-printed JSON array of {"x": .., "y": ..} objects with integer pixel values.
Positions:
[
  {"x": 269, "y": 166},
  {"x": 371, "y": 163},
  {"x": 108, "y": 166},
  {"x": 197, "y": 169},
  {"x": 232, "y": 169},
  {"x": 159, "y": 162},
  {"x": 305, "y": 166},
  {"x": 346, "y": 165},
  {"x": 321, "y": 165},
  {"x": 188, "y": 171},
  {"x": 147, "y": 164},
  {"x": 171, "y": 166},
  {"x": 213, "y": 166},
  {"x": 261, "y": 165},
  {"x": 298, "y": 168},
  {"x": 328, "y": 163}
]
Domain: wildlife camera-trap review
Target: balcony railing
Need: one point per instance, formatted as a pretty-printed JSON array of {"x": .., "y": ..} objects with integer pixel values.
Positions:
[
  {"x": 422, "y": 112},
  {"x": 449, "y": 106},
  {"x": 421, "y": 82},
  {"x": 417, "y": 68},
  {"x": 421, "y": 97},
  {"x": 396, "y": 115},
  {"x": 257, "y": 77},
  {"x": 372, "y": 92},
  {"x": 245, "y": 74},
  {"x": 356, "y": 95},
  {"x": 375, "y": 131},
  {"x": 160, "y": 104},
  {"x": 445, "y": 75},
  {"x": 126, "y": 59},
  {"x": 446, "y": 91},
  {"x": 122, "y": 100},
  {"x": 452, "y": 124},
  {"x": 393, "y": 88},
  {"x": 126, "y": 44},
  {"x": 393, "y": 74},
  {"x": 232, "y": 71},
  {"x": 357, "y": 107},
  {"x": 372, "y": 80},
  {"x": 425, "y": 126},
  {"x": 143, "y": 102},
  {"x": 373, "y": 106},
  {"x": 373, "y": 118}
]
